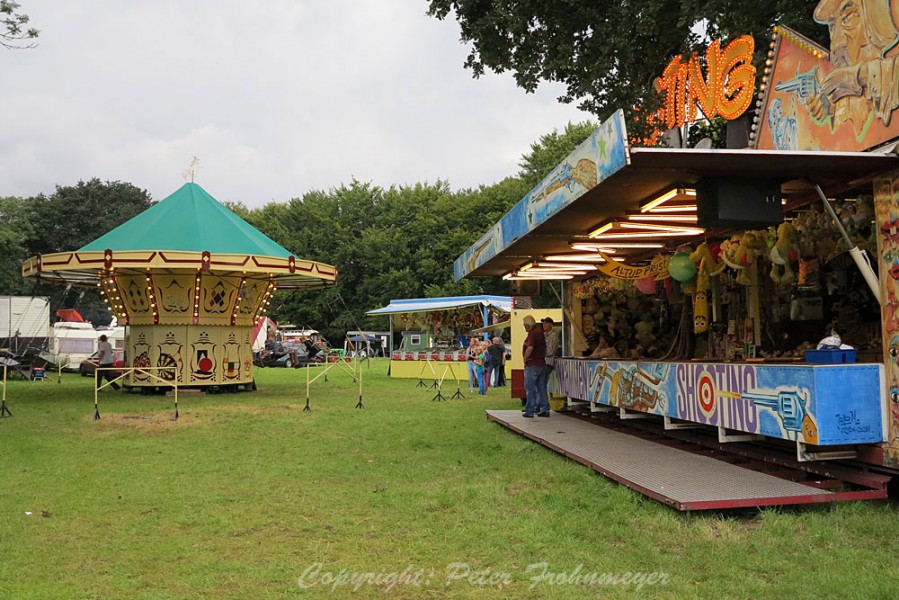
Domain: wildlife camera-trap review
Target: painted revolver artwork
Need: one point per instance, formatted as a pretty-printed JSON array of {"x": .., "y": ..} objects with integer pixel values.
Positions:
[
  {"x": 803, "y": 85},
  {"x": 790, "y": 408},
  {"x": 636, "y": 386}
]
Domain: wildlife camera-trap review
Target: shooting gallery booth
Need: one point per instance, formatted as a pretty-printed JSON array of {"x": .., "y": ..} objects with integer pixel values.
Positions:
[
  {"x": 433, "y": 332},
  {"x": 701, "y": 286}
]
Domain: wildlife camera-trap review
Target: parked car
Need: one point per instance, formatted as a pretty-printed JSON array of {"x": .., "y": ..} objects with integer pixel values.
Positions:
[{"x": 89, "y": 365}]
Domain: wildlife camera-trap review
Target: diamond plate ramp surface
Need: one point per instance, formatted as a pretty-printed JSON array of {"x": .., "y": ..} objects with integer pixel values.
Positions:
[{"x": 685, "y": 480}]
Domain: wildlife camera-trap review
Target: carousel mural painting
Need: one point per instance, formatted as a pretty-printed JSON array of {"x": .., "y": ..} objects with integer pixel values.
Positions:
[{"x": 189, "y": 278}]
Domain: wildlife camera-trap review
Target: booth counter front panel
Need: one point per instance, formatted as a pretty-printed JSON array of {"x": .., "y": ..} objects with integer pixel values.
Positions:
[{"x": 813, "y": 404}]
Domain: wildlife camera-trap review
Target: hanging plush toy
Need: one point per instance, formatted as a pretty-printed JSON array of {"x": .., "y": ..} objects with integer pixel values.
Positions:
[
  {"x": 728, "y": 254},
  {"x": 706, "y": 268},
  {"x": 752, "y": 245},
  {"x": 784, "y": 252}
]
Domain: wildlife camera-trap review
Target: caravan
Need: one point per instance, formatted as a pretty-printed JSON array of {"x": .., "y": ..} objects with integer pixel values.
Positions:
[{"x": 73, "y": 340}]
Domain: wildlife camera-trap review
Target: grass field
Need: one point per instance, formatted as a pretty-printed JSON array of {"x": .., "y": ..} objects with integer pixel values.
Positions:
[{"x": 247, "y": 496}]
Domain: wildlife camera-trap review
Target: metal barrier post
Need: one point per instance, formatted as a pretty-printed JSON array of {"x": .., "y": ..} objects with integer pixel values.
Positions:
[
  {"x": 458, "y": 395},
  {"x": 130, "y": 371},
  {"x": 4, "y": 410},
  {"x": 359, "y": 404}
]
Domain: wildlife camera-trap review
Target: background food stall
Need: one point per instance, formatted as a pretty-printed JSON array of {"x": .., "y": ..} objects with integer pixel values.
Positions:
[{"x": 436, "y": 330}]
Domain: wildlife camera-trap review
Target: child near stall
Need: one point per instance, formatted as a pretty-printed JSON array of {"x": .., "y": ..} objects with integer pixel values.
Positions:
[{"x": 480, "y": 362}]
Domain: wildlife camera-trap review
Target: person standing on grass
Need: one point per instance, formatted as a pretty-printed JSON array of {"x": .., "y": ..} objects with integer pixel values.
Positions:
[
  {"x": 497, "y": 354},
  {"x": 480, "y": 362},
  {"x": 472, "y": 367},
  {"x": 534, "y": 354},
  {"x": 106, "y": 360},
  {"x": 552, "y": 348}
]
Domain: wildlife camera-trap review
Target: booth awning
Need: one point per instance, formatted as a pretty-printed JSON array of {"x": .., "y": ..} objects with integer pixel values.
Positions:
[
  {"x": 371, "y": 339},
  {"x": 409, "y": 305},
  {"x": 651, "y": 171}
]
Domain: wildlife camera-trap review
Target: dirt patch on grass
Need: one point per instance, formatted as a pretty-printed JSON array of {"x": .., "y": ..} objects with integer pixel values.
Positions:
[
  {"x": 162, "y": 421},
  {"x": 141, "y": 422}
]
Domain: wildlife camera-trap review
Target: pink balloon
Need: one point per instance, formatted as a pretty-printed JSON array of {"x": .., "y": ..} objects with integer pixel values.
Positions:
[{"x": 647, "y": 286}]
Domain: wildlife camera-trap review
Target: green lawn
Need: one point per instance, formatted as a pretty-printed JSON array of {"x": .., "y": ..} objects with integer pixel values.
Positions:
[{"x": 247, "y": 496}]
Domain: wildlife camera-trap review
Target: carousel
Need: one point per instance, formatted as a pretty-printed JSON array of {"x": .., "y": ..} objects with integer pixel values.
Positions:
[{"x": 189, "y": 279}]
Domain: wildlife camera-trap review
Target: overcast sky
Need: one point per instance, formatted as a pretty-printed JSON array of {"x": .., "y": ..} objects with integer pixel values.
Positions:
[{"x": 276, "y": 98}]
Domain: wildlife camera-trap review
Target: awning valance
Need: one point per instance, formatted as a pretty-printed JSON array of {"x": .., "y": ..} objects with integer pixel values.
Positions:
[{"x": 410, "y": 305}]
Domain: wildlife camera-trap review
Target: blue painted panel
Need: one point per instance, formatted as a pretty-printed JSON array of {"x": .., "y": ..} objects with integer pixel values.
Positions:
[
  {"x": 823, "y": 405},
  {"x": 842, "y": 410},
  {"x": 597, "y": 158}
]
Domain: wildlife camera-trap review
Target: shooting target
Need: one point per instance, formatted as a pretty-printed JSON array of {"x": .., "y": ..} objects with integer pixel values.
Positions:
[{"x": 706, "y": 395}]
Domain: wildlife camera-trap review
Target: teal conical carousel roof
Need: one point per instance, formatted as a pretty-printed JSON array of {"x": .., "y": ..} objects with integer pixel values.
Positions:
[
  {"x": 190, "y": 231},
  {"x": 189, "y": 220}
]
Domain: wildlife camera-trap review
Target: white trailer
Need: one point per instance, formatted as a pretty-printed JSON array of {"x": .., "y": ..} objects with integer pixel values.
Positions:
[
  {"x": 70, "y": 343},
  {"x": 23, "y": 322}
]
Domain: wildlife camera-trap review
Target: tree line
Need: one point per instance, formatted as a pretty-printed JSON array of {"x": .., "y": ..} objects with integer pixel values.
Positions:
[{"x": 393, "y": 242}]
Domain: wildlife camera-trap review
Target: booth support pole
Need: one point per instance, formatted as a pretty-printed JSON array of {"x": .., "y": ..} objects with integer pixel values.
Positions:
[
  {"x": 859, "y": 257},
  {"x": 359, "y": 404}
]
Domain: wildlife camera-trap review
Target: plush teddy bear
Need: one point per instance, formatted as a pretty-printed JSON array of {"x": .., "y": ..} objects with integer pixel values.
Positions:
[
  {"x": 728, "y": 253},
  {"x": 784, "y": 253},
  {"x": 643, "y": 332},
  {"x": 751, "y": 246}
]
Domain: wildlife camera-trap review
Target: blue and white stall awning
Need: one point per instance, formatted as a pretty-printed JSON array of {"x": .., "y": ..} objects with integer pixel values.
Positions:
[{"x": 410, "y": 305}]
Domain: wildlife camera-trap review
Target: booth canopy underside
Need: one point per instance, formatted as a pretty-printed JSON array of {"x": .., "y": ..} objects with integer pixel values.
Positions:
[{"x": 652, "y": 171}]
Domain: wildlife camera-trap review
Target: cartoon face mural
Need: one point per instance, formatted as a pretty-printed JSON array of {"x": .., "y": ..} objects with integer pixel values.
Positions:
[
  {"x": 860, "y": 85},
  {"x": 841, "y": 101}
]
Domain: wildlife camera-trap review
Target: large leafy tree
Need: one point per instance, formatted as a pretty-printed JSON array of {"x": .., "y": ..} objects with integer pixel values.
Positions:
[
  {"x": 398, "y": 242},
  {"x": 607, "y": 54},
  {"x": 15, "y": 229},
  {"x": 388, "y": 243},
  {"x": 76, "y": 215},
  {"x": 72, "y": 217},
  {"x": 14, "y": 30}
]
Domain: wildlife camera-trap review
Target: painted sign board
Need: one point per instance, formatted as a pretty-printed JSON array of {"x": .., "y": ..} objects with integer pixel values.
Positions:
[
  {"x": 842, "y": 100},
  {"x": 814, "y": 404},
  {"x": 598, "y": 157},
  {"x": 886, "y": 208}
]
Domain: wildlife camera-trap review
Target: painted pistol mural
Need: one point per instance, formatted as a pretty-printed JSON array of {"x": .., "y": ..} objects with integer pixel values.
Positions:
[{"x": 799, "y": 403}]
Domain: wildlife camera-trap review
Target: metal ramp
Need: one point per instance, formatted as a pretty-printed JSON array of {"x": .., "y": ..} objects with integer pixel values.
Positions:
[{"x": 685, "y": 479}]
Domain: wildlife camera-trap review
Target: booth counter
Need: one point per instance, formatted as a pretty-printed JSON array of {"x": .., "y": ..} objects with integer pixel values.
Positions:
[{"x": 814, "y": 404}]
